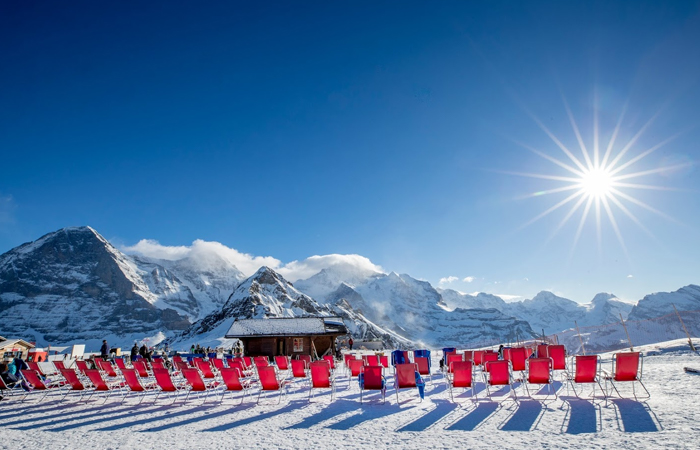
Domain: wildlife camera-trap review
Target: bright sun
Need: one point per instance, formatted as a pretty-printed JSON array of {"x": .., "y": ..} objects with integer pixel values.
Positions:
[{"x": 597, "y": 183}]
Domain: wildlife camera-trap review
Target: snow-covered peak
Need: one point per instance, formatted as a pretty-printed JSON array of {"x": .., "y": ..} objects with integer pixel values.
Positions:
[{"x": 660, "y": 303}]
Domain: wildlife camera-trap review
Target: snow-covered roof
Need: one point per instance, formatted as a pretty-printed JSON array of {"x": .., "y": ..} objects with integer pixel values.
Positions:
[
  {"x": 286, "y": 327},
  {"x": 12, "y": 342}
]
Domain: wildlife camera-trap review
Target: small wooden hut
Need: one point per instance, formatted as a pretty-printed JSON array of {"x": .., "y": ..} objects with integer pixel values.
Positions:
[
  {"x": 11, "y": 348},
  {"x": 288, "y": 336}
]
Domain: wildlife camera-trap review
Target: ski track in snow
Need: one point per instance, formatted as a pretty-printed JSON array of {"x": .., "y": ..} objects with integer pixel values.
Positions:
[{"x": 669, "y": 419}]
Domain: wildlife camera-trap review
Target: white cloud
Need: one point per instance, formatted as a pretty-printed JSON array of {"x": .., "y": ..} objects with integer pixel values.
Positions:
[
  {"x": 448, "y": 280},
  {"x": 347, "y": 266},
  {"x": 630, "y": 276},
  {"x": 209, "y": 253},
  {"x": 469, "y": 279},
  {"x": 203, "y": 252}
]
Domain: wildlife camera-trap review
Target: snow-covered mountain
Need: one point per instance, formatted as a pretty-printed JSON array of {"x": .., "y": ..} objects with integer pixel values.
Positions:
[
  {"x": 73, "y": 284},
  {"x": 660, "y": 303},
  {"x": 266, "y": 294},
  {"x": 546, "y": 311}
]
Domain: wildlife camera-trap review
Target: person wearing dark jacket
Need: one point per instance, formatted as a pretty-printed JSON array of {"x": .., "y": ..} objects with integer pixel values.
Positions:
[
  {"x": 134, "y": 351},
  {"x": 104, "y": 350}
]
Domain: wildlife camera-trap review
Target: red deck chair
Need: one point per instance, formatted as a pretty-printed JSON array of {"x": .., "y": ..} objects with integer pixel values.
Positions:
[
  {"x": 205, "y": 368},
  {"x": 282, "y": 363},
  {"x": 158, "y": 363},
  {"x": 101, "y": 385},
  {"x": 371, "y": 360},
  {"x": 166, "y": 384},
  {"x": 106, "y": 367},
  {"x": 405, "y": 378},
  {"x": 356, "y": 368},
  {"x": 33, "y": 379},
  {"x": 59, "y": 365},
  {"x": 141, "y": 368},
  {"x": 33, "y": 365},
  {"x": 299, "y": 369},
  {"x": 627, "y": 367},
  {"x": 240, "y": 367},
  {"x": 452, "y": 358},
  {"x": 82, "y": 366},
  {"x": 233, "y": 382},
  {"x": 518, "y": 359},
  {"x": 540, "y": 371},
  {"x": 424, "y": 367},
  {"x": 542, "y": 350},
  {"x": 558, "y": 355},
  {"x": 528, "y": 352},
  {"x": 586, "y": 371},
  {"x": 176, "y": 358},
  {"x": 462, "y": 377},
  {"x": 217, "y": 363},
  {"x": 373, "y": 380},
  {"x": 478, "y": 357},
  {"x": 197, "y": 383},
  {"x": 306, "y": 359},
  {"x": 120, "y": 363},
  {"x": 384, "y": 361},
  {"x": 346, "y": 360},
  {"x": 74, "y": 383},
  {"x": 468, "y": 355},
  {"x": 248, "y": 361},
  {"x": 261, "y": 361},
  {"x": 321, "y": 378},
  {"x": 331, "y": 361},
  {"x": 506, "y": 353},
  {"x": 133, "y": 382},
  {"x": 497, "y": 373},
  {"x": 269, "y": 382},
  {"x": 180, "y": 365},
  {"x": 489, "y": 357}
]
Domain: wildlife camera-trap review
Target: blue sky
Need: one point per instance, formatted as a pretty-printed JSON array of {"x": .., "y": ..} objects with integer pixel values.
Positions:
[{"x": 387, "y": 130}]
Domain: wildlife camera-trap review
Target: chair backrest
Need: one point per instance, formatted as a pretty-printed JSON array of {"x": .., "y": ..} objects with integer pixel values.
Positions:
[
  {"x": 518, "y": 357},
  {"x": 406, "y": 356},
  {"x": 282, "y": 362},
  {"x": 217, "y": 363},
  {"x": 120, "y": 363},
  {"x": 132, "y": 380},
  {"x": 384, "y": 361},
  {"x": 179, "y": 365},
  {"x": 506, "y": 353},
  {"x": 231, "y": 378},
  {"x": 489, "y": 357},
  {"x": 106, "y": 367},
  {"x": 33, "y": 365},
  {"x": 248, "y": 361},
  {"x": 462, "y": 372},
  {"x": 268, "y": 379},
  {"x": 478, "y": 357},
  {"x": 406, "y": 375},
  {"x": 373, "y": 377},
  {"x": 205, "y": 367},
  {"x": 237, "y": 364},
  {"x": 371, "y": 360},
  {"x": 194, "y": 379},
  {"x": 331, "y": 360},
  {"x": 158, "y": 363},
  {"x": 96, "y": 379},
  {"x": 298, "y": 368},
  {"x": 176, "y": 358},
  {"x": 163, "y": 379},
  {"x": 347, "y": 358},
  {"x": 81, "y": 365},
  {"x": 539, "y": 370},
  {"x": 141, "y": 367},
  {"x": 542, "y": 350},
  {"x": 261, "y": 361},
  {"x": 356, "y": 366},
  {"x": 33, "y": 379},
  {"x": 468, "y": 355},
  {"x": 627, "y": 366},
  {"x": 499, "y": 372},
  {"x": 72, "y": 378},
  {"x": 453, "y": 358},
  {"x": 586, "y": 368},
  {"x": 320, "y": 374},
  {"x": 423, "y": 364},
  {"x": 558, "y": 355},
  {"x": 59, "y": 364}
]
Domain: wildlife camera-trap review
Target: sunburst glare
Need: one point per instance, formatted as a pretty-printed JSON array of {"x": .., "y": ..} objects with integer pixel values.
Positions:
[{"x": 599, "y": 185}]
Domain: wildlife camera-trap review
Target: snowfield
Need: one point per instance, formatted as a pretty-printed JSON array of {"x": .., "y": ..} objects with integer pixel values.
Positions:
[{"x": 669, "y": 419}]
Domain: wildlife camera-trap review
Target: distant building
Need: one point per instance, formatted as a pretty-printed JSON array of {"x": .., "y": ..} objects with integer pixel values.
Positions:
[
  {"x": 288, "y": 336},
  {"x": 12, "y": 348}
]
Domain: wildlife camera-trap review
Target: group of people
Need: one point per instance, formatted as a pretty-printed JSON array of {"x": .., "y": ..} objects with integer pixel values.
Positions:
[
  {"x": 10, "y": 373},
  {"x": 196, "y": 349}
]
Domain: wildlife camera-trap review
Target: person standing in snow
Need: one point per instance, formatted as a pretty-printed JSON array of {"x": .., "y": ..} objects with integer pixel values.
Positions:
[
  {"x": 104, "y": 350},
  {"x": 350, "y": 342},
  {"x": 134, "y": 351}
]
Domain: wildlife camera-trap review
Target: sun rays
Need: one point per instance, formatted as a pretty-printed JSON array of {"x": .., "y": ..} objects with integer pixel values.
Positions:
[{"x": 595, "y": 184}]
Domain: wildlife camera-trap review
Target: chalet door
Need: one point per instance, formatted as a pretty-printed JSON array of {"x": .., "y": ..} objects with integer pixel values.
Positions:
[{"x": 281, "y": 347}]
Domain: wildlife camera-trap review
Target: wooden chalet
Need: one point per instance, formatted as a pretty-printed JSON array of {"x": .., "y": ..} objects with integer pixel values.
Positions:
[
  {"x": 11, "y": 348},
  {"x": 288, "y": 336}
]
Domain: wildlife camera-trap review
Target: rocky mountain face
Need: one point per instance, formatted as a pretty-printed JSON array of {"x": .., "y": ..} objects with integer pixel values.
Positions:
[
  {"x": 73, "y": 284},
  {"x": 660, "y": 303}
]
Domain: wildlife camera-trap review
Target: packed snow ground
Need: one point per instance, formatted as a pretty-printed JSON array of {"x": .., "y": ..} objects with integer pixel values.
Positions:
[{"x": 669, "y": 419}]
